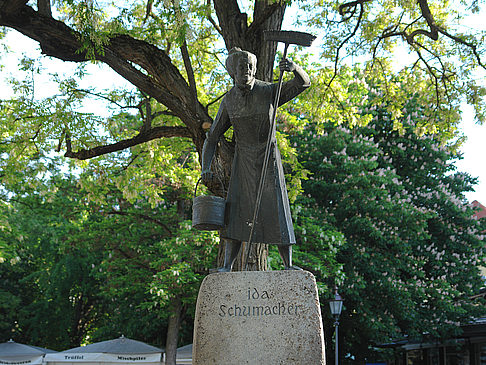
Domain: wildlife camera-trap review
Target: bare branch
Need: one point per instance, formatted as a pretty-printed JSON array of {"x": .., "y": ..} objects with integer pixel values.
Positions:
[
  {"x": 387, "y": 30},
  {"x": 144, "y": 217},
  {"x": 465, "y": 43},
  {"x": 163, "y": 112},
  {"x": 353, "y": 33},
  {"x": 348, "y": 15},
  {"x": 132, "y": 257},
  {"x": 101, "y": 96},
  {"x": 61, "y": 140},
  {"x": 433, "y": 33},
  {"x": 132, "y": 160},
  {"x": 148, "y": 9},
  {"x": 147, "y": 121},
  {"x": 344, "y": 8},
  {"x": 210, "y": 18},
  {"x": 432, "y": 74},
  {"x": 144, "y": 136},
  {"x": 214, "y": 101},
  {"x": 69, "y": 147}
]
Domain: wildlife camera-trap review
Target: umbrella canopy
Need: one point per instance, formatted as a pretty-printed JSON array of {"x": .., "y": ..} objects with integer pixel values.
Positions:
[
  {"x": 120, "y": 350},
  {"x": 184, "y": 355},
  {"x": 13, "y": 353},
  {"x": 120, "y": 345}
]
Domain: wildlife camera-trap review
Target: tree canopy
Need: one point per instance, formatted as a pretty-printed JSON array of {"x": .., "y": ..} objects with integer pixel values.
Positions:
[
  {"x": 172, "y": 53},
  {"x": 87, "y": 270},
  {"x": 409, "y": 248},
  {"x": 136, "y": 168}
]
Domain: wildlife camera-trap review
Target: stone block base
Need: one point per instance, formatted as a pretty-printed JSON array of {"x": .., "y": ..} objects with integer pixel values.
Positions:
[{"x": 258, "y": 318}]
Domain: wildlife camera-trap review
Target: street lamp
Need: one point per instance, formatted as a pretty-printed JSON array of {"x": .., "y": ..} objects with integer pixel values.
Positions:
[{"x": 336, "y": 306}]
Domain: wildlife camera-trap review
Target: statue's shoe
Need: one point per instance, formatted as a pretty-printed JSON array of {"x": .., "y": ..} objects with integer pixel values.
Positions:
[{"x": 224, "y": 269}]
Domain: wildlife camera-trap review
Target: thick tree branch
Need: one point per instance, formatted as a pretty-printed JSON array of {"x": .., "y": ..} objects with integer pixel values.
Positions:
[
  {"x": 160, "y": 79},
  {"x": 237, "y": 33},
  {"x": 11, "y": 6},
  {"x": 427, "y": 14},
  {"x": 144, "y": 136},
  {"x": 44, "y": 7},
  {"x": 189, "y": 70},
  {"x": 232, "y": 21},
  {"x": 260, "y": 16}
]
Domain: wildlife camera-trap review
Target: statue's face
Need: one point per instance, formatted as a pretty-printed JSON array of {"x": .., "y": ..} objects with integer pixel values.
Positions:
[{"x": 245, "y": 72}]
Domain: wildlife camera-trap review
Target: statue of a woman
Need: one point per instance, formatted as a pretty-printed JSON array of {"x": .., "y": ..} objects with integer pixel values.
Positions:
[{"x": 248, "y": 107}]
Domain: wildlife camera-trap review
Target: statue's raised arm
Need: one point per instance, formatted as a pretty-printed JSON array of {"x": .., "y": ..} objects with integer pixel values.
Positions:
[{"x": 294, "y": 87}]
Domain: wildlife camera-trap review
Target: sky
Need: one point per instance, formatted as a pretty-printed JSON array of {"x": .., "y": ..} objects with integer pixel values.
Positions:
[
  {"x": 473, "y": 149},
  {"x": 474, "y": 153}
]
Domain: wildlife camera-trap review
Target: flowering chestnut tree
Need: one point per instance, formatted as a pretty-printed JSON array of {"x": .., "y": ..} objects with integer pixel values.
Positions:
[{"x": 409, "y": 258}]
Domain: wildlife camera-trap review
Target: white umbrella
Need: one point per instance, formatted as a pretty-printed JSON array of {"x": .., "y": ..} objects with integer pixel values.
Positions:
[
  {"x": 120, "y": 350},
  {"x": 184, "y": 355},
  {"x": 13, "y": 353}
]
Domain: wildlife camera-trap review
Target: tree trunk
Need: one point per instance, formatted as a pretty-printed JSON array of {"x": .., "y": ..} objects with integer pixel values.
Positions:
[
  {"x": 265, "y": 51},
  {"x": 267, "y": 15},
  {"x": 173, "y": 331},
  {"x": 257, "y": 261}
]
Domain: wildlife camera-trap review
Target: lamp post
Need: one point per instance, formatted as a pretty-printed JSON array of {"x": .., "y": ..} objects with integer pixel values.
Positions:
[{"x": 336, "y": 306}]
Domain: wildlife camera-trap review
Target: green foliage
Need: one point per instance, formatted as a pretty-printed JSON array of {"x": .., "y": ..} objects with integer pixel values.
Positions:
[
  {"x": 91, "y": 270},
  {"x": 54, "y": 285},
  {"x": 375, "y": 32},
  {"x": 378, "y": 207},
  {"x": 411, "y": 248}
]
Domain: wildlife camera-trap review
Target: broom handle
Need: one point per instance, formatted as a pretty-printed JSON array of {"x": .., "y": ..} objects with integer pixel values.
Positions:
[{"x": 271, "y": 137}]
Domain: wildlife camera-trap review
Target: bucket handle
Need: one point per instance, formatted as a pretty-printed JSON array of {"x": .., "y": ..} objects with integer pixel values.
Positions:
[{"x": 198, "y": 181}]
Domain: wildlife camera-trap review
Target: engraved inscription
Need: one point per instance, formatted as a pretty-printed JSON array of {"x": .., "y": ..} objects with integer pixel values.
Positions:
[
  {"x": 262, "y": 307},
  {"x": 255, "y": 294}
]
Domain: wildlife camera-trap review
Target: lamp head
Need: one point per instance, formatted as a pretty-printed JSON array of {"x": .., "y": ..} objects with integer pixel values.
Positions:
[{"x": 336, "y": 304}]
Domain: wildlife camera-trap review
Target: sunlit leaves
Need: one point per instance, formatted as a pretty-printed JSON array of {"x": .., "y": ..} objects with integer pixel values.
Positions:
[
  {"x": 390, "y": 187},
  {"x": 400, "y": 31}
]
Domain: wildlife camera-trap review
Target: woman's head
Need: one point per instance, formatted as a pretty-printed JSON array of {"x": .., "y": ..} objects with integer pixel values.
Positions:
[{"x": 241, "y": 66}]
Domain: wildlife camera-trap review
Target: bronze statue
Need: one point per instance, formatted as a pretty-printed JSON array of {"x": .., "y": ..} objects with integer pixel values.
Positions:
[{"x": 248, "y": 107}]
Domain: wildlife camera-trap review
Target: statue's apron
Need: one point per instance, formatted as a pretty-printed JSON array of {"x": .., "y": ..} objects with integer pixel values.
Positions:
[{"x": 250, "y": 114}]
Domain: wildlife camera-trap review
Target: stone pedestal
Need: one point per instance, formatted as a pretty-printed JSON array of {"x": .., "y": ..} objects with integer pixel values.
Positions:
[{"x": 258, "y": 318}]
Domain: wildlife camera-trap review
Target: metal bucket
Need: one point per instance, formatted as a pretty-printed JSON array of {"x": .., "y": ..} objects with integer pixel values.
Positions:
[{"x": 207, "y": 212}]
